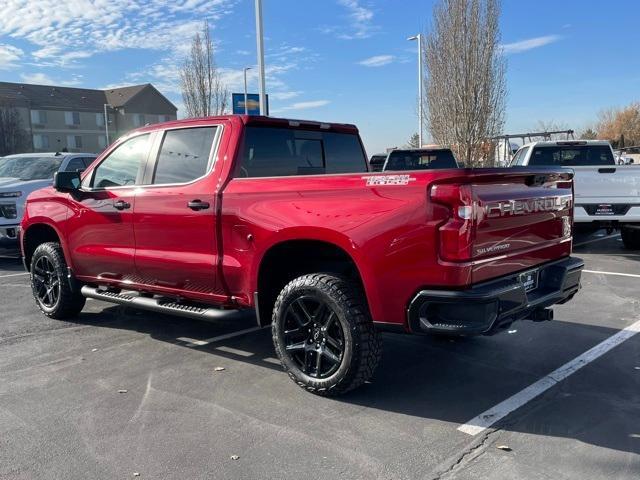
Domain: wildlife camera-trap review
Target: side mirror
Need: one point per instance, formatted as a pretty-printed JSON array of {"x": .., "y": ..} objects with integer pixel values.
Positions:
[{"x": 66, "y": 181}]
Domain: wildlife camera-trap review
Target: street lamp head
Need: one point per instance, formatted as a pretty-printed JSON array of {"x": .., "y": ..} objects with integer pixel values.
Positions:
[{"x": 415, "y": 37}]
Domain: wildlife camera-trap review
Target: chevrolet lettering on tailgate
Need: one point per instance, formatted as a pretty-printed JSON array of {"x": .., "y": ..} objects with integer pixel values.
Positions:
[{"x": 532, "y": 205}]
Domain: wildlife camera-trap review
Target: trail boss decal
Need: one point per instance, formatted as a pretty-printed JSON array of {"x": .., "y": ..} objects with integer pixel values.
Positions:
[
  {"x": 532, "y": 205},
  {"x": 388, "y": 180}
]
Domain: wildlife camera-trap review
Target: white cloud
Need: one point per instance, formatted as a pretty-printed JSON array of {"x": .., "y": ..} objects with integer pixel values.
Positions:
[
  {"x": 305, "y": 105},
  {"x": 377, "y": 61},
  {"x": 8, "y": 56},
  {"x": 284, "y": 95},
  {"x": 361, "y": 22},
  {"x": 529, "y": 44},
  {"x": 361, "y": 18},
  {"x": 69, "y": 30},
  {"x": 40, "y": 78}
]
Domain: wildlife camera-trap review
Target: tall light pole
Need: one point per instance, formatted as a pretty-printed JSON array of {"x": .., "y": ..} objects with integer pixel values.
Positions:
[
  {"x": 106, "y": 121},
  {"x": 260, "y": 43},
  {"x": 246, "y": 108},
  {"x": 418, "y": 37}
]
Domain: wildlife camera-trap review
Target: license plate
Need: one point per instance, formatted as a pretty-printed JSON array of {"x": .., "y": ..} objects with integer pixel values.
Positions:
[
  {"x": 529, "y": 280},
  {"x": 605, "y": 210}
]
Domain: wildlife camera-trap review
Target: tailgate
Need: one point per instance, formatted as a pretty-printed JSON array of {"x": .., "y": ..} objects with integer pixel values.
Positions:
[
  {"x": 619, "y": 184},
  {"x": 514, "y": 221}
]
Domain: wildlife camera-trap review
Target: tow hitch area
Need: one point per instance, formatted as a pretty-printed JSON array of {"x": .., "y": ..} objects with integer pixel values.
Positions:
[{"x": 542, "y": 315}]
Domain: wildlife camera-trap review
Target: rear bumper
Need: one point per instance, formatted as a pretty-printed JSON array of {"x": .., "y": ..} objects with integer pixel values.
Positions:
[
  {"x": 490, "y": 306},
  {"x": 9, "y": 236},
  {"x": 623, "y": 213}
]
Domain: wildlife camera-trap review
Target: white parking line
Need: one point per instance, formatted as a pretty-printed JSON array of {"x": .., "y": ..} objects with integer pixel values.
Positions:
[
  {"x": 486, "y": 419},
  {"x": 14, "y": 275},
  {"x": 199, "y": 343},
  {"x": 613, "y": 273},
  {"x": 596, "y": 240}
]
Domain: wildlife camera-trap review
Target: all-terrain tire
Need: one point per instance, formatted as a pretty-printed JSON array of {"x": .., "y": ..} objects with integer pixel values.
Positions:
[
  {"x": 361, "y": 346},
  {"x": 631, "y": 238},
  {"x": 63, "y": 301}
]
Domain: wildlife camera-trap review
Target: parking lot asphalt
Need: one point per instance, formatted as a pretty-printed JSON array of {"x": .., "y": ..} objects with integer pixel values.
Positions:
[{"x": 119, "y": 392}]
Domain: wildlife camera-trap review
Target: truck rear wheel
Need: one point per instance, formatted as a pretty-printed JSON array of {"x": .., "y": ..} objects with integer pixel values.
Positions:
[
  {"x": 631, "y": 238},
  {"x": 324, "y": 335},
  {"x": 49, "y": 283}
]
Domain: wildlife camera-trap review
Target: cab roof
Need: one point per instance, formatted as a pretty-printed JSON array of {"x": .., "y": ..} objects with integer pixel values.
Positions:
[{"x": 259, "y": 120}]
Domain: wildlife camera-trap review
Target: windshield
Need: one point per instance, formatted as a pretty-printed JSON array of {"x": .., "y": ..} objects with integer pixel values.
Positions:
[
  {"x": 29, "y": 168},
  {"x": 420, "y": 160},
  {"x": 571, "y": 156}
]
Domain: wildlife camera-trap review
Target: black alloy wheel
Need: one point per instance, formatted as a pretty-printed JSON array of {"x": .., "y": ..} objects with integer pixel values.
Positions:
[
  {"x": 46, "y": 282},
  {"x": 56, "y": 292},
  {"x": 323, "y": 333},
  {"x": 314, "y": 338}
]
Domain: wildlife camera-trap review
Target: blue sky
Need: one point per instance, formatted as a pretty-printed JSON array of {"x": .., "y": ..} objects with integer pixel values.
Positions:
[{"x": 330, "y": 60}]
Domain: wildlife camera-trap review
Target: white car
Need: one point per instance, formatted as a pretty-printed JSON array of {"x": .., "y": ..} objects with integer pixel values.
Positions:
[
  {"x": 607, "y": 195},
  {"x": 24, "y": 173}
]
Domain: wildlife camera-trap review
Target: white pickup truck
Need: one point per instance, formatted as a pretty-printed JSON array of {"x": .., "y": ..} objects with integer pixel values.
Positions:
[
  {"x": 24, "y": 173},
  {"x": 606, "y": 195}
]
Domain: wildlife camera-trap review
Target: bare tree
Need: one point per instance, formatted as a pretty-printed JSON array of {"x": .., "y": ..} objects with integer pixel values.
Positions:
[
  {"x": 203, "y": 91},
  {"x": 13, "y": 136},
  {"x": 464, "y": 81},
  {"x": 552, "y": 126}
]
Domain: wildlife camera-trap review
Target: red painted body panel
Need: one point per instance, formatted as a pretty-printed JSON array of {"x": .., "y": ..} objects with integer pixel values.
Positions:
[{"x": 392, "y": 232}]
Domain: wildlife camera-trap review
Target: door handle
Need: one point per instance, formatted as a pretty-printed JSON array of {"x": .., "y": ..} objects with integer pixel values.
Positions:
[
  {"x": 198, "y": 205},
  {"x": 121, "y": 205}
]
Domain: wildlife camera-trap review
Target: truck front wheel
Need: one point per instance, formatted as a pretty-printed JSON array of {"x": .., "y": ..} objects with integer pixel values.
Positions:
[
  {"x": 49, "y": 283},
  {"x": 324, "y": 335},
  {"x": 631, "y": 238}
]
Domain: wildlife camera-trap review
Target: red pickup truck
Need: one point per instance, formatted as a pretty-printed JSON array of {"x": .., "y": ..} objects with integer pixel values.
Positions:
[{"x": 196, "y": 217}]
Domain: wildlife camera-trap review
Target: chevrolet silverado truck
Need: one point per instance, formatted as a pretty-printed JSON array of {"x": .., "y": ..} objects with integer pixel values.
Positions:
[
  {"x": 606, "y": 195},
  {"x": 200, "y": 216}
]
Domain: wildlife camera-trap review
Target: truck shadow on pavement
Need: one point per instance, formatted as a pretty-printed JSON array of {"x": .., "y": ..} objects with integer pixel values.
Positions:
[{"x": 450, "y": 379}]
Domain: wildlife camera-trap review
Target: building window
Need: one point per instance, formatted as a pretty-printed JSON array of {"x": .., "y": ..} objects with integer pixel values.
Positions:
[
  {"x": 100, "y": 119},
  {"x": 102, "y": 141},
  {"x": 40, "y": 142},
  {"x": 138, "y": 120},
  {"x": 165, "y": 118},
  {"x": 72, "y": 118},
  {"x": 38, "y": 117},
  {"x": 74, "y": 141}
]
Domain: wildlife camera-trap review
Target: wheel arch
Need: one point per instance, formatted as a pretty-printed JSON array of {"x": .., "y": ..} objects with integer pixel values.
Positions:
[
  {"x": 36, "y": 234},
  {"x": 290, "y": 258}
]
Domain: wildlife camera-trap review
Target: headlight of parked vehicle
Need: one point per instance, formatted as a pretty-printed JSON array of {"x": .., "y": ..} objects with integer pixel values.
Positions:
[
  {"x": 8, "y": 211},
  {"x": 10, "y": 194}
]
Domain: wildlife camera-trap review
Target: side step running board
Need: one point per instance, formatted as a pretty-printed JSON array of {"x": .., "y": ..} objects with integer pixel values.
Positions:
[{"x": 160, "y": 305}]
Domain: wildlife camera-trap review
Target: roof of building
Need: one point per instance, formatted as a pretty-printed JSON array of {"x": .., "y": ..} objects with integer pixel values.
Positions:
[{"x": 69, "y": 98}]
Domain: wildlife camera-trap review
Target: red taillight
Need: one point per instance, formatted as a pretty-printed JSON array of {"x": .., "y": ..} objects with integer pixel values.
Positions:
[{"x": 458, "y": 233}]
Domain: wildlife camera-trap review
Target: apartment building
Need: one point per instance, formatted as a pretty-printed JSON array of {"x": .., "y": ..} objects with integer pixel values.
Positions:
[{"x": 74, "y": 118}]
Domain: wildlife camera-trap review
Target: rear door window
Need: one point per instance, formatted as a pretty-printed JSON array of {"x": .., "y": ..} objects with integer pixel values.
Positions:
[
  {"x": 277, "y": 152},
  {"x": 185, "y": 155},
  {"x": 571, "y": 156}
]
